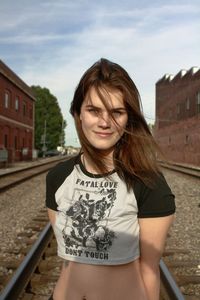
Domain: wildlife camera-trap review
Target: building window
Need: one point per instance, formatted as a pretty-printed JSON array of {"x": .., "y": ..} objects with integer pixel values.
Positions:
[
  {"x": 5, "y": 141},
  {"x": 30, "y": 143},
  {"x": 15, "y": 142},
  {"x": 24, "y": 108},
  {"x": 186, "y": 139},
  {"x": 6, "y": 99},
  {"x": 31, "y": 113},
  {"x": 17, "y": 103},
  {"x": 198, "y": 102},
  {"x": 187, "y": 103}
]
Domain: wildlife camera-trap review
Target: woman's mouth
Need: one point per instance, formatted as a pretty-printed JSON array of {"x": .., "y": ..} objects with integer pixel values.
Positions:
[{"x": 103, "y": 134}]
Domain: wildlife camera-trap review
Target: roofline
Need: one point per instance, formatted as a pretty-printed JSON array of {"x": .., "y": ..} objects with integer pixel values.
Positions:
[
  {"x": 25, "y": 89},
  {"x": 182, "y": 73}
]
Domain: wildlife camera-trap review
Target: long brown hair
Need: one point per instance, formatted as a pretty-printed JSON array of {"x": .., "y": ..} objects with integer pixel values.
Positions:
[{"x": 135, "y": 153}]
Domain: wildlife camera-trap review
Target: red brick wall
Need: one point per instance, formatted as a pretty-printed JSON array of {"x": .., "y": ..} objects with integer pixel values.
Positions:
[
  {"x": 17, "y": 126},
  {"x": 11, "y": 112},
  {"x": 181, "y": 142},
  {"x": 178, "y": 131},
  {"x": 18, "y": 138}
]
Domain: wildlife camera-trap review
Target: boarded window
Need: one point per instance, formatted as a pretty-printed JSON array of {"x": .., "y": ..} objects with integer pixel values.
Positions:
[
  {"x": 7, "y": 99},
  {"x": 198, "y": 102},
  {"x": 17, "y": 103},
  {"x": 5, "y": 141},
  {"x": 188, "y": 103}
]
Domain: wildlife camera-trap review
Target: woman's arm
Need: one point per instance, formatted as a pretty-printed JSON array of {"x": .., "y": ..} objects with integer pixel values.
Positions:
[
  {"x": 153, "y": 233},
  {"x": 52, "y": 215}
]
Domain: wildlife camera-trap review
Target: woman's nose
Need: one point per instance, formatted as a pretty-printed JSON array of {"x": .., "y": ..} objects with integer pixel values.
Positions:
[{"x": 104, "y": 120}]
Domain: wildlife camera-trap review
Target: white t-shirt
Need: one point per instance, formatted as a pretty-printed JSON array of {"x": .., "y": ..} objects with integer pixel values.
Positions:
[{"x": 96, "y": 217}]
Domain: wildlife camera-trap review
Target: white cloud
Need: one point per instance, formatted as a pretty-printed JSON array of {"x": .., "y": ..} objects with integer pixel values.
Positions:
[
  {"x": 148, "y": 42},
  {"x": 36, "y": 38}
]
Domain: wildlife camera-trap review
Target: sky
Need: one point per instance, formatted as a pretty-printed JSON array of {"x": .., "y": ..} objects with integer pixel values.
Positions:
[{"x": 52, "y": 43}]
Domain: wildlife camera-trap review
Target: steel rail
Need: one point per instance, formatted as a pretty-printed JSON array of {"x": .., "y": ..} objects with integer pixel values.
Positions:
[
  {"x": 22, "y": 276},
  {"x": 172, "y": 290},
  {"x": 185, "y": 169},
  {"x": 10, "y": 179},
  {"x": 35, "y": 165}
]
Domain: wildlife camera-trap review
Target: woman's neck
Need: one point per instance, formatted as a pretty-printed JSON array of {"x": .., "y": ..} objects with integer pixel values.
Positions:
[{"x": 89, "y": 165}]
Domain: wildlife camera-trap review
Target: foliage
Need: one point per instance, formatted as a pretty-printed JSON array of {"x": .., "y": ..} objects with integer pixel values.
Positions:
[
  {"x": 151, "y": 127},
  {"x": 47, "y": 114}
]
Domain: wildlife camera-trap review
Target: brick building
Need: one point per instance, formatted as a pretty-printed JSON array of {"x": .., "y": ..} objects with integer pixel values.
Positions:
[
  {"x": 16, "y": 115},
  {"x": 177, "y": 128}
]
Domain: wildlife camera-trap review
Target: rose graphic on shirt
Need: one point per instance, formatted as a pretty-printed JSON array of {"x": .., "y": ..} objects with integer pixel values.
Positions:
[{"x": 85, "y": 226}]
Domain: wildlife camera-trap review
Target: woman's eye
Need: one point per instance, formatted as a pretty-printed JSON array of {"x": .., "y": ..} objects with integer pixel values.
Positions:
[
  {"x": 116, "y": 113},
  {"x": 93, "y": 111}
]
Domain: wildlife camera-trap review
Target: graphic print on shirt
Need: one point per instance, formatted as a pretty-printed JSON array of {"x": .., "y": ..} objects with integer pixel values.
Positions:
[{"x": 86, "y": 232}]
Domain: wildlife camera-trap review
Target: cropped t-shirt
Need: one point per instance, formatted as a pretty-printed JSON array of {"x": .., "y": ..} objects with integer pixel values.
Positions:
[{"x": 96, "y": 217}]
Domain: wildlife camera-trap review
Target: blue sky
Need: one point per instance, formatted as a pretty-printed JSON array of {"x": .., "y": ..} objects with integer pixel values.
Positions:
[{"x": 51, "y": 43}]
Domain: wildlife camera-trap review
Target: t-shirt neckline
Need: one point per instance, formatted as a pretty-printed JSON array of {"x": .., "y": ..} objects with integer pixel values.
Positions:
[{"x": 89, "y": 174}]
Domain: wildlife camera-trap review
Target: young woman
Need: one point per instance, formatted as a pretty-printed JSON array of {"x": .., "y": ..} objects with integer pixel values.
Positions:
[{"x": 110, "y": 206}]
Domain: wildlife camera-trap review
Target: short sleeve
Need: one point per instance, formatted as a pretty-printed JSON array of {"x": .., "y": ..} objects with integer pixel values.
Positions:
[
  {"x": 55, "y": 178},
  {"x": 50, "y": 192},
  {"x": 157, "y": 201}
]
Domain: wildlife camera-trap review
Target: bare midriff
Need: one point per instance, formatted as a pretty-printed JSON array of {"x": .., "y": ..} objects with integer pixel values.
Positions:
[{"x": 80, "y": 281}]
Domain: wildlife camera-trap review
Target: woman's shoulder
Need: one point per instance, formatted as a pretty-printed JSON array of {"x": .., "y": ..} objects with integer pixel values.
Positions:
[
  {"x": 63, "y": 168},
  {"x": 157, "y": 182},
  {"x": 154, "y": 200}
]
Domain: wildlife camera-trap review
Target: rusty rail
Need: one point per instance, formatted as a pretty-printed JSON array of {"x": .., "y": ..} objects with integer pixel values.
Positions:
[
  {"x": 22, "y": 276},
  {"x": 168, "y": 283}
]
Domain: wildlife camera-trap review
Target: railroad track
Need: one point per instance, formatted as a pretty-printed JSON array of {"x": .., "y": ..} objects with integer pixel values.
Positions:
[
  {"x": 37, "y": 268},
  {"x": 180, "y": 262},
  {"x": 185, "y": 272},
  {"x": 35, "y": 274},
  {"x": 185, "y": 169},
  {"x": 15, "y": 177},
  {"x": 35, "y": 277}
]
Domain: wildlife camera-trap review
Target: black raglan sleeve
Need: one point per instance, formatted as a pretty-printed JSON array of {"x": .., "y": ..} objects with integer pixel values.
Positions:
[
  {"x": 51, "y": 190},
  {"x": 157, "y": 201},
  {"x": 55, "y": 178}
]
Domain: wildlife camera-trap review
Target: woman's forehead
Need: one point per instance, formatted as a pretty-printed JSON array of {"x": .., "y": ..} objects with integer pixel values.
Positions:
[{"x": 105, "y": 97}]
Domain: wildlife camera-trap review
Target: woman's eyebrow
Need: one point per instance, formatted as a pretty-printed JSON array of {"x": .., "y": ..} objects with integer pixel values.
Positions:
[
  {"x": 93, "y": 106},
  {"x": 118, "y": 108},
  {"x": 90, "y": 105},
  {"x": 111, "y": 109}
]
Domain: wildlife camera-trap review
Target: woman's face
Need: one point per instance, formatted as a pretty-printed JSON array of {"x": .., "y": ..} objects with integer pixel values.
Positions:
[{"x": 103, "y": 127}]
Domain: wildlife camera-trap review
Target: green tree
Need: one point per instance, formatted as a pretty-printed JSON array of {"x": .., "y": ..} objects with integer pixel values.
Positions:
[
  {"x": 49, "y": 122},
  {"x": 151, "y": 127}
]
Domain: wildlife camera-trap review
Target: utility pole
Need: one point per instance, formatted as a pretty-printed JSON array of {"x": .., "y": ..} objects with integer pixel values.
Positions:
[{"x": 61, "y": 135}]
